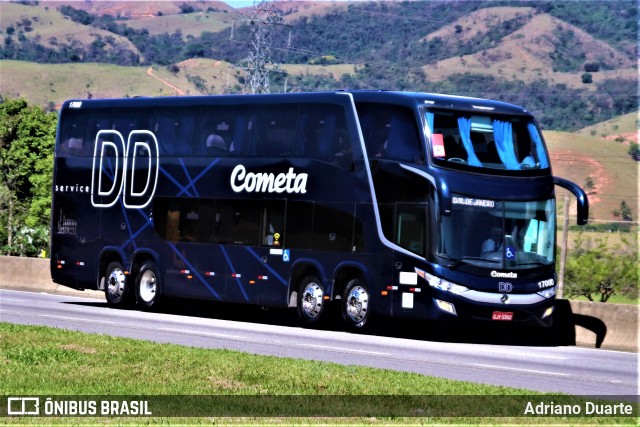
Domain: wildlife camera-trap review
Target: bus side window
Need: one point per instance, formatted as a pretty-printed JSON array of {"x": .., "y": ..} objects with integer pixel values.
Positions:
[
  {"x": 272, "y": 132},
  {"x": 237, "y": 222},
  {"x": 322, "y": 135},
  {"x": 220, "y": 131},
  {"x": 299, "y": 232},
  {"x": 174, "y": 130},
  {"x": 125, "y": 125},
  {"x": 410, "y": 227},
  {"x": 183, "y": 219},
  {"x": 272, "y": 224},
  {"x": 333, "y": 226},
  {"x": 390, "y": 132},
  {"x": 196, "y": 220},
  {"x": 79, "y": 131},
  {"x": 403, "y": 140}
]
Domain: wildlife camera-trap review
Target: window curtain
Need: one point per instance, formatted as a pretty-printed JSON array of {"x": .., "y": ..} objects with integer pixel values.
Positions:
[
  {"x": 535, "y": 136},
  {"x": 430, "y": 120},
  {"x": 465, "y": 133},
  {"x": 503, "y": 137}
]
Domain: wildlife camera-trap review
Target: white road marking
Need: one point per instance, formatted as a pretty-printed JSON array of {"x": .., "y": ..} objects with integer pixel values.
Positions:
[
  {"x": 205, "y": 334},
  {"x": 531, "y": 371},
  {"x": 343, "y": 350},
  {"x": 90, "y": 321}
]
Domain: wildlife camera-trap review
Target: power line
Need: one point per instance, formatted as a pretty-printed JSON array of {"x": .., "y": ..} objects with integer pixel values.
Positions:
[{"x": 261, "y": 20}]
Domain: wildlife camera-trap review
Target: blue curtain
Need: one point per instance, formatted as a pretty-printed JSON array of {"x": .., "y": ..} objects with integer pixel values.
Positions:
[
  {"x": 465, "y": 133},
  {"x": 430, "y": 119},
  {"x": 503, "y": 137},
  {"x": 535, "y": 136}
]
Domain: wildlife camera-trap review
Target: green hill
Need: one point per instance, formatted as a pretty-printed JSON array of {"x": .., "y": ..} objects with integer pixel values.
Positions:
[
  {"x": 623, "y": 128},
  {"x": 614, "y": 174},
  {"x": 51, "y": 84},
  {"x": 48, "y": 28},
  {"x": 189, "y": 24},
  {"x": 573, "y": 64}
]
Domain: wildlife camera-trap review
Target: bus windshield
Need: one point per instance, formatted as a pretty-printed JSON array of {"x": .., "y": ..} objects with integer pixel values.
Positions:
[
  {"x": 498, "y": 234},
  {"x": 485, "y": 141}
]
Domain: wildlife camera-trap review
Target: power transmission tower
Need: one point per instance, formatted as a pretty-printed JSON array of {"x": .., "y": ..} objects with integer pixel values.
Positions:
[{"x": 261, "y": 21}]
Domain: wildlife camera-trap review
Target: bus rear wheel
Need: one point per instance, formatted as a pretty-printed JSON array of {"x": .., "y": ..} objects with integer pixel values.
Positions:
[
  {"x": 310, "y": 300},
  {"x": 148, "y": 286},
  {"x": 116, "y": 288},
  {"x": 355, "y": 303}
]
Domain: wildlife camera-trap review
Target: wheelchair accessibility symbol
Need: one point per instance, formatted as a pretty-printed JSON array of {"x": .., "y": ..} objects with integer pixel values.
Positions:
[
  {"x": 286, "y": 255},
  {"x": 510, "y": 252}
]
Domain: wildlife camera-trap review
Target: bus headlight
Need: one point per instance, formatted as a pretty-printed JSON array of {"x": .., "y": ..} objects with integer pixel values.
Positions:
[
  {"x": 547, "y": 293},
  {"x": 446, "y": 306},
  {"x": 443, "y": 285}
]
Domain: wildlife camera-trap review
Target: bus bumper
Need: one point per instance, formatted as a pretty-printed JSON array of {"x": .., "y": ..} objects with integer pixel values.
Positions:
[{"x": 447, "y": 307}]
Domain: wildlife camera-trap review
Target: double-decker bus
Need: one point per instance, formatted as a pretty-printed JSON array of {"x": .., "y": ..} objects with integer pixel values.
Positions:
[{"x": 408, "y": 205}]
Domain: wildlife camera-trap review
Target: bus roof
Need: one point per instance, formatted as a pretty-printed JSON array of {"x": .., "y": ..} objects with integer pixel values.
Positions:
[{"x": 430, "y": 100}]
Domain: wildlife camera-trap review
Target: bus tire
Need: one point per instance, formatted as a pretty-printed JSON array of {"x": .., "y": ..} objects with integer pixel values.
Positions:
[
  {"x": 310, "y": 300},
  {"x": 116, "y": 287},
  {"x": 148, "y": 286},
  {"x": 355, "y": 303}
]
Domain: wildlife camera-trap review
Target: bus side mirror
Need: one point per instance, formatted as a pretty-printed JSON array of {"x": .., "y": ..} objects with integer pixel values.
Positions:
[{"x": 581, "y": 196}]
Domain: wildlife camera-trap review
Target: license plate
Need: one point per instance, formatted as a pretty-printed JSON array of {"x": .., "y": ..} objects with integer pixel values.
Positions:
[{"x": 502, "y": 315}]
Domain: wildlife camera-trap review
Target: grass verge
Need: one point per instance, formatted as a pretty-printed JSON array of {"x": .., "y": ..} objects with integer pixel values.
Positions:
[{"x": 36, "y": 360}]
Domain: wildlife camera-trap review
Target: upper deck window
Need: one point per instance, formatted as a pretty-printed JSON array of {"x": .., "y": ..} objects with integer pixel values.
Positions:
[
  {"x": 78, "y": 131},
  {"x": 390, "y": 132},
  {"x": 486, "y": 141}
]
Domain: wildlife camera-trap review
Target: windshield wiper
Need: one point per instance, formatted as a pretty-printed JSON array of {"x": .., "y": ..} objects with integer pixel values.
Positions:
[
  {"x": 458, "y": 262},
  {"x": 536, "y": 263}
]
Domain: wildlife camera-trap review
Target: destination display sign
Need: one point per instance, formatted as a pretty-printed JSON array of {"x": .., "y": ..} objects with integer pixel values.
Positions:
[{"x": 469, "y": 201}]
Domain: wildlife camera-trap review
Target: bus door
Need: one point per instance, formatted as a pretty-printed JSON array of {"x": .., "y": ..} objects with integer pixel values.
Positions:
[{"x": 410, "y": 234}]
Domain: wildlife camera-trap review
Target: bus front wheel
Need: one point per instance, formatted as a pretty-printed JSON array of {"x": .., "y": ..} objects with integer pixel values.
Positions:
[
  {"x": 148, "y": 285},
  {"x": 355, "y": 303},
  {"x": 116, "y": 288},
  {"x": 310, "y": 300}
]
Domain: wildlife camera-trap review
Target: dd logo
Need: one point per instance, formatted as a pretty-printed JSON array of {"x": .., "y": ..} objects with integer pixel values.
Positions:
[
  {"x": 129, "y": 169},
  {"x": 505, "y": 287}
]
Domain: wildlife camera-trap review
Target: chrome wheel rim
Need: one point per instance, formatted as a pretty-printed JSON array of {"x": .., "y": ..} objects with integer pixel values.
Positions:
[
  {"x": 148, "y": 286},
  {"x": 312, "y": 300},
  {"x": 116, "y": 283},
  {"x": 357, "y": 304}
]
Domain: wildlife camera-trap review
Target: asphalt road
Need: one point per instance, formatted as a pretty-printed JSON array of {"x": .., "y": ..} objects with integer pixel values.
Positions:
[{"x": 497, "y": 356}]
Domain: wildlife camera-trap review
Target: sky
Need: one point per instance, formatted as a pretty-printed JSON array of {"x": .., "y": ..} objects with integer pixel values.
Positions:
[{"x": 239, "y": 3}]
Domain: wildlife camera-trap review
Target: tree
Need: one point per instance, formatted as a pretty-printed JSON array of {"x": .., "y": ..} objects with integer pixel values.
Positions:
[
  {"x": 592, "y": 67},
  {"x": 27, "y": 136},
  {"x": 589, "y": 185},
  {"x": 623, "y": 212},
  {"x": 634, "y": 151},
  {"x": 596, "y": 270}
]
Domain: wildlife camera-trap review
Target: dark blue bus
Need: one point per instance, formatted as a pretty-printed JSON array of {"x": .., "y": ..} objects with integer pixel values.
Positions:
[{"x": 408, "y": 205}]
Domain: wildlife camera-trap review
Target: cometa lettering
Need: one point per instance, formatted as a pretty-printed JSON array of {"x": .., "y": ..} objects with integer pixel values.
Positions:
[
  {"x": 509, "y": 275},
  {"x": 251, "y": 182}
]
